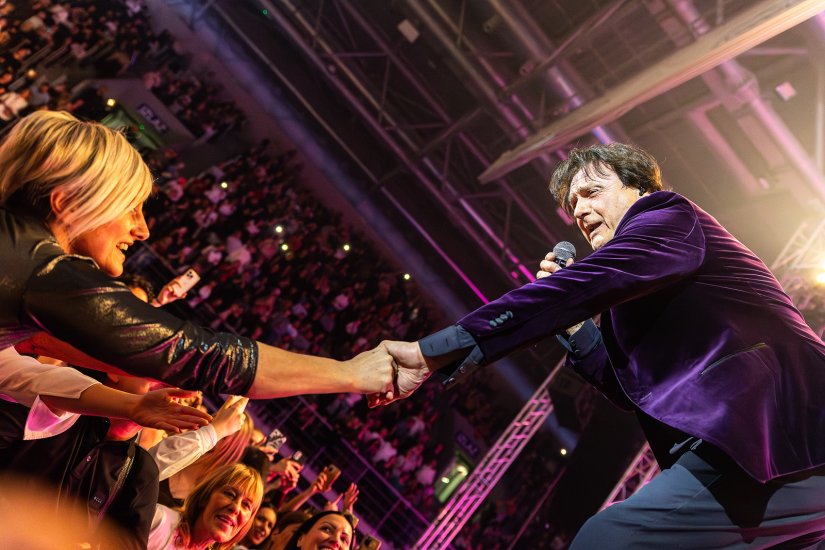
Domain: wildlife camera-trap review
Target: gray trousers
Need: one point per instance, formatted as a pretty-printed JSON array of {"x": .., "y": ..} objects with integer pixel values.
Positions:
[{"x": 705, "y": 502}]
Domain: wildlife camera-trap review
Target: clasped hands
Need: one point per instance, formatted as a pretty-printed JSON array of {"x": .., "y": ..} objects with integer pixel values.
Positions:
[
  {"x": 391, "y": 371},
  {"x": 404, "y": 362}
]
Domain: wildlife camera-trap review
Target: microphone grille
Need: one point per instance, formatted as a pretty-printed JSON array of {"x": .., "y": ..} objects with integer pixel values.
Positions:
[{"x": 564, "y": 251}]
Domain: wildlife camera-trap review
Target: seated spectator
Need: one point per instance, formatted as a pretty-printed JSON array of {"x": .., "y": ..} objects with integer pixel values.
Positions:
[{"x": 219, "y": 511}]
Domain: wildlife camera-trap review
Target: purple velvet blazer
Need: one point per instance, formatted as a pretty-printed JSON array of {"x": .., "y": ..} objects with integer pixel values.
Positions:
[{"x": 697, "y": 333}]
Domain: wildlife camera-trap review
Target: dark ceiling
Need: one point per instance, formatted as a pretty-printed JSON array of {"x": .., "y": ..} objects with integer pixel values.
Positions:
[{"x": 424, "y": 118}]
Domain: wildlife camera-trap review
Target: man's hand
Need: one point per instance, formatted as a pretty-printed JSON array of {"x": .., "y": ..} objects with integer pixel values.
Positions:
[
  {"x": 230, "y": 417},
  {"x": 156, "y": 409},
  {"x": 548, "y": 266},
  {"x": 411, "y": 370}
]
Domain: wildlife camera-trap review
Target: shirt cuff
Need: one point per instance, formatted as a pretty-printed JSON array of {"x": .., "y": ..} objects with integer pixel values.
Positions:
[
  {"x": 42, "y": 421},
  {"x": 452, "y": 349},
  {"x": 583, "y": 341}
]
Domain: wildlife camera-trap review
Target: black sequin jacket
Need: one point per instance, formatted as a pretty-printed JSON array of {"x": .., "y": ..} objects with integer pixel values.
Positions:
[{"x": 43, "y": 289}]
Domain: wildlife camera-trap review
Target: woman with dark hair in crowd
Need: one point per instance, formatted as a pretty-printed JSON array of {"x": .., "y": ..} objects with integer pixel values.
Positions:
[
  {"x": 71, "y": 196},
  {"x": 262, "y": 526},
  {"x": 323, "y": 530},
  {"x": 216, "y": 515}
]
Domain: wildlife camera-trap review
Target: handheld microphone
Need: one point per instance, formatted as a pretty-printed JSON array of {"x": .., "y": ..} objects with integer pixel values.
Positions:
[{"x": 564, "y": 252}]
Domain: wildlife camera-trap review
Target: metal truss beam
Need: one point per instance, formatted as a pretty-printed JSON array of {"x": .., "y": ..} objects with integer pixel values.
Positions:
[
  {"x": 797, "y": 266},
  {"x": 360, "y": 94},
  {"x": 471, "y": 494},
  {"x": 642, "y": 469},
  {"x": 753, "y": 26}
]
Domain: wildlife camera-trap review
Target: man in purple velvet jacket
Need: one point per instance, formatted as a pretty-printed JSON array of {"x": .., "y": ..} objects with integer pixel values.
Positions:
[{"x": 696, "y": 336}]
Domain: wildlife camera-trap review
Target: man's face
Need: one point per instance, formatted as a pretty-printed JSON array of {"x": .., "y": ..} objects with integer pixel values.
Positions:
[{"x": 599, "y": 202}]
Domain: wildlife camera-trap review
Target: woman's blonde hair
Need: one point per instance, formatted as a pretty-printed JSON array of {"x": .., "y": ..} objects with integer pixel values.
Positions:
[
  {"x": 239, "y": 476},
  {"x": 101, "y": 175},
  {"x": 227, "y": 451}
]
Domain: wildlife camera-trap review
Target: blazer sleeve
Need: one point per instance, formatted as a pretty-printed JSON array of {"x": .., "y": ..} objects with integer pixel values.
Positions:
[
  {"x": 658, "y": 242},
  {"x": 74, "y": 301},
  {"x": 587, "y": 355}
]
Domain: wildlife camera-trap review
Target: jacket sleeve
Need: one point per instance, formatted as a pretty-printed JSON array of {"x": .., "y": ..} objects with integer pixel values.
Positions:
[
  {"x": 74, "y": 301},
  {"x": 658, "y": 242},
  {"x": 587, "y": 355},
  {"x": 174, "y": 453},
  {"x": 23, "y": 378}
]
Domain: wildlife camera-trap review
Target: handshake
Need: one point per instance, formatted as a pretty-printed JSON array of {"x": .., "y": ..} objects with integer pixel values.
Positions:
[
  {"x": 389, "y": 372},
  {"x": 394, "y": 370}
]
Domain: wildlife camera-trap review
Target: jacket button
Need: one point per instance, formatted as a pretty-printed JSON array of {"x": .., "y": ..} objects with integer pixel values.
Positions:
[
  {"x": 462, "y": 370},
  {"x": 509, "y": 314},
  {"x": 89, "y": 458}
]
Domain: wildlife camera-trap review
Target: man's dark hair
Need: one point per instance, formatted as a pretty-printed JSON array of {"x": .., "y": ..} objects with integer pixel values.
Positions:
[
  {"x": 136, "y": 281},
  {"x": 636, "y": 168}
]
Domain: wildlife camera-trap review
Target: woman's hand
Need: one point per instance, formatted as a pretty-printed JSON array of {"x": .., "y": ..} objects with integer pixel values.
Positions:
[
  {"x": 230, "y": 417},
  {"x": 350, "y": 497},
  {"x": 332, "y": 505},
  {"x": 156, "y": 409},
  {"x": 319, "y": 483},
  {"x": 287, "y": 471},
  {"x": 170, "y": 292},
  {"x": 373, "y": 371}
]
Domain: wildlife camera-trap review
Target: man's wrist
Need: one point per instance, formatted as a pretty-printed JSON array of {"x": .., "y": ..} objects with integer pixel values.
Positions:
[{"x": 574, "y": 329}]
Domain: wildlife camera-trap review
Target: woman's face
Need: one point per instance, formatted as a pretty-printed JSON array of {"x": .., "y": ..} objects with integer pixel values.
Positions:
[
  {"x": 228, "y": 511},
  {"x": 108, "y": 243},
  {"x": 261, "y": 526},
  {"x": 330, "y": 532}
]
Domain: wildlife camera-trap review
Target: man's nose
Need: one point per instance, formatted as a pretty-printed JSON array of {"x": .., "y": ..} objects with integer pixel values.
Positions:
[{"x": 581, "y": 209}]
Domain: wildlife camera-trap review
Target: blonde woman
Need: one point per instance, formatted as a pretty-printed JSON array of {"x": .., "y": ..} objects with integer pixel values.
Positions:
[
  {"x": 71, "y": 196},
  {"x": 228, "y": 450},
  {"x": 217, "y": 514}
]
